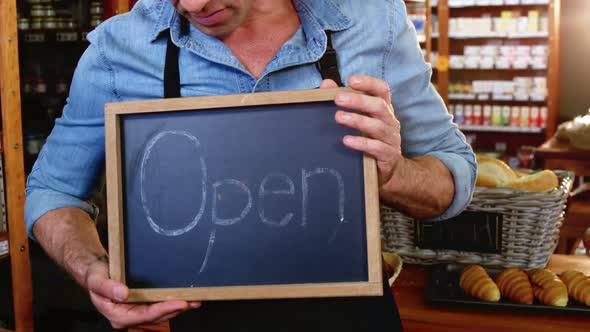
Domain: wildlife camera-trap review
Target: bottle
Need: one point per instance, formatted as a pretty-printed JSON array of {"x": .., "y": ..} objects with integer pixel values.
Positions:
[
  {"x": 487, "y": 115},
  {"x": 515, "y": 116},
  {"x": 524, "y": 117},
  {"x": 505, "y": 115},
  {"x": 477, "y": 115},
  {"x": 496, "y": 116}
]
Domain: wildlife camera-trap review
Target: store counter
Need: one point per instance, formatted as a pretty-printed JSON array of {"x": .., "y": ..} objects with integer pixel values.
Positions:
[{"x": 418, "y": 315}]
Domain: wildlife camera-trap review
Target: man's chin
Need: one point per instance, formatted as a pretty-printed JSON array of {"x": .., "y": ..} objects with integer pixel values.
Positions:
[{"x": 217, "y": 31}]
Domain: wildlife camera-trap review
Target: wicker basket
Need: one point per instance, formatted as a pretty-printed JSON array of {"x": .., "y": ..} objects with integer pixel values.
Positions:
[{"x": 530, "y": 230}]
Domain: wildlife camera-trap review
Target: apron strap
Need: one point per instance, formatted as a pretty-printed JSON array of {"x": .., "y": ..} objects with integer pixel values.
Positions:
[
  {"x": 327, "y": 65},
  {"x": 171, "y": 70}
]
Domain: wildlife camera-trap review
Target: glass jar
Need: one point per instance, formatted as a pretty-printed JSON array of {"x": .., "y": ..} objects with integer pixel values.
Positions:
[
  {"x": 49, "y": 23},
  {"x": 71, "y": 23},
  {"x": 95, "y": 21},
  {"x": 61, "y": 87},
  {"x": 36, "y": 23},
  {"x": 49, "y": 11},
  {"x": 96, "y": 8},
  {"x": 24, "y": 24},
  {"x": 27, "y": 88},
  {"x": 61, "y": 23},
  {"x": 40, "y": 87},
  {"x": 38, "y": 11}
]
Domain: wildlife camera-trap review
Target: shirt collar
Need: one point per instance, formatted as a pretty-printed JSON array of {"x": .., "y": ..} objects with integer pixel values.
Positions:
[{"x": 326, "y": 13}]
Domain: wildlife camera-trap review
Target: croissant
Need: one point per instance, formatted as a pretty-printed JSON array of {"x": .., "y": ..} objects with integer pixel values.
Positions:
[
  {"x": 548, "y": 288},
  {"x": 515, "y": 285},
  {"x": 475, "y": 281},
  {"x": 578, "y": 286}
]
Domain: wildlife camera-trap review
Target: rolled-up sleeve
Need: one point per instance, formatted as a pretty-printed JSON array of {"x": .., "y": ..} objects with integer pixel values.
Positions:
[
  {"x": 71, "y": 161},
  {"x": 426, "y": 126}
]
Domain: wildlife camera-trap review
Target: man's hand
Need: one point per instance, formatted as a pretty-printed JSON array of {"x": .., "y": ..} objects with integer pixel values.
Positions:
[
  {"x": 106, "y": 295},
  {"x": 404, "y": 183},
  {"x": 377, "y": 122}
]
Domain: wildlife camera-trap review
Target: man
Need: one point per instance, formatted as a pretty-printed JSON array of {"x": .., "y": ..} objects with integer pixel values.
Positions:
[{"x": 239, "y": 46}]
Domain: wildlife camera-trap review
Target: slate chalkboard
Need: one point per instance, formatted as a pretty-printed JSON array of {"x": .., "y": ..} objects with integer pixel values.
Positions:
[{"x": 243, "y": 196}]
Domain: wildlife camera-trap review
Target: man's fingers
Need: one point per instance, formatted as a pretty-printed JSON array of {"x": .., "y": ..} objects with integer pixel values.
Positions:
[
  {"x": 373, "y": 106},
  {"x": 97, "y": 281},
  {"x": 124, "y": 315},
  {"x": 328, "y": 84},
  {"x": 377, "y": 149},
  {"x": 371, "y": 127},
  {"x": 372, "y": 86}
]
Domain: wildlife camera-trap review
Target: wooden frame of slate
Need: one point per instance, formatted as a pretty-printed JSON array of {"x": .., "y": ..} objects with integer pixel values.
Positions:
[{"x": 370, "y": 282}]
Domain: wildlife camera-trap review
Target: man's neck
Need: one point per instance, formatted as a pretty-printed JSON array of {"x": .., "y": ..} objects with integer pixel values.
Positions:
[{"x": 267, "y": 27}]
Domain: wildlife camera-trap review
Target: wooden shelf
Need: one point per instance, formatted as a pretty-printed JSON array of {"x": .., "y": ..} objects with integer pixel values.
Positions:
[
  {"x": 475, "y": 97},
  {"x": 502, "y": 129},
  {"x": 498, "y": 35},
  {"x": 542, "y": 3}
]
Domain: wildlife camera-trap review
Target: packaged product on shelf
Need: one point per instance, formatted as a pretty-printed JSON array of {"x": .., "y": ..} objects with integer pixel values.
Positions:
[
  {"x": 36, "y": 23},
  {"x": 544, "y": 24},
  {"x": 539, "y": 62},
  {"x": 543, "y": 117},
  {"x": 515, "y": 116},
  {"x": 533, "y": 21},
  {"x": 486, "y": 62},
  {"x": 24, "y": 24},
  {"x": 503, "y": 62},
  {"x": 472, "y": 50},
  {"x": 540, "y": 50},
  {"x": 489, "y": 50},
  {"x": 459, "y": 119},
  {"x": 496, "y": 115},
  {"x": 468, "y": 115},
  {"x": 505, "y": 115},
  {"x": 487, "y": 115},
  {"x": 525, "y": 116},
  {"x": 477, "y": 115},
  {"x": 472, "y": 62},
  {"x": 456, "y": 62},
  {"x": 452, "y": 109},
  {"x": 505, "y": 17},
  {"x": 534, "y": 117}
]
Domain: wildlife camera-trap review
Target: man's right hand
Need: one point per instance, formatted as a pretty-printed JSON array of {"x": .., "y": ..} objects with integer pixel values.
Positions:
[{"x": 107, "y": 294}]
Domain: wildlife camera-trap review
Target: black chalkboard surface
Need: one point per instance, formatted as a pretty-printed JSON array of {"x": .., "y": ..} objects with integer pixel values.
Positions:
[{"x": 236, "y": 197}]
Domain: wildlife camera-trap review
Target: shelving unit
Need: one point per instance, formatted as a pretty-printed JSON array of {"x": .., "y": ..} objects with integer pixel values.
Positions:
[
  {"x": 36, "y": 66},
  {"x": 14, "y": 177},
  {"x": 452, "y": 43},
  {"x": 424, "y": 38}
]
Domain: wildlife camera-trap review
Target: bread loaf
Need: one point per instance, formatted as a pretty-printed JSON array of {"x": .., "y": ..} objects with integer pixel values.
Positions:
[
  {"x": 476, "y": 282},
  {"x": 578, "y": 286},
  {"x": 538, "y": 182},
  {"x": 548, "y": 288},
  {"x": 514, "y": 284},
  {"x": 492, "y": 172}
]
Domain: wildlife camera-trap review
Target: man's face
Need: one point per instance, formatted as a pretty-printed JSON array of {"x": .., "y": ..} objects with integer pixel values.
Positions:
[{"x": 217, "y": 18}]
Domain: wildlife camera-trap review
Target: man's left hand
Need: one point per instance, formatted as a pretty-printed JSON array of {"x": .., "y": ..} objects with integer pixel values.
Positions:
[{"x": 377, "y": 122}]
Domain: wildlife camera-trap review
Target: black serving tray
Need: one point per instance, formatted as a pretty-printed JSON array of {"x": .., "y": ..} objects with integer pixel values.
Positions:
[{"x": 444, "y": 289}]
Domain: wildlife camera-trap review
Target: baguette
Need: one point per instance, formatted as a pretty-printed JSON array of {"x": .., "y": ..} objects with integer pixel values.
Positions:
[
  {"x": 538, "y": 182},
  {"x": 548, "y": 288},
  {"x": 578, "y": 286},
  {"x": 514, "y": 284},
  {"x": 492, "y": 172},
  {"x": 476, "y": 282}
]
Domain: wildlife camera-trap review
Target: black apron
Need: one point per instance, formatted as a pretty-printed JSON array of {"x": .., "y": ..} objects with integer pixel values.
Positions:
[{"x": 325, "y": 314}]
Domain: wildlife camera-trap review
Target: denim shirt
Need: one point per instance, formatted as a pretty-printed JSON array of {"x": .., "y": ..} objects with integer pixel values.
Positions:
[{"x": 125, "y": 61}]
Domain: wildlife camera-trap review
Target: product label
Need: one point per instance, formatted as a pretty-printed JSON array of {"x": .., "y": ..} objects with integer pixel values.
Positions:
[{"x": 3, "y": 247}]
